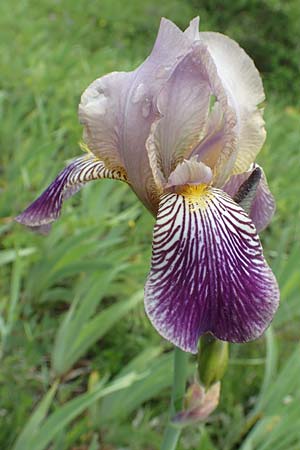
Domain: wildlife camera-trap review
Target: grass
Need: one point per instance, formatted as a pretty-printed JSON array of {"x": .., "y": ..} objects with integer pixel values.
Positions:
[{"x": 91, "y": 269}]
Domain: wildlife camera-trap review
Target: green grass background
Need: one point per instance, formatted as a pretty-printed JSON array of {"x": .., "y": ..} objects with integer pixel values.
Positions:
[{"x": 71, "y": 307}]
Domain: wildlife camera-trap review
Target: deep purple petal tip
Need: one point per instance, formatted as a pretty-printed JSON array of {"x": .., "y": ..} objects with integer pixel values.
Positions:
[
  {"x": 208, "y": 272},
  {"x": 47, "y": 208}
]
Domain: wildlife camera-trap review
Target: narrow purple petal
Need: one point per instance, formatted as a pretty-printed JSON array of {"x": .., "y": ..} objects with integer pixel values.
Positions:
[
  {"x": 47, "y": 207},
  {"x": 247, "y": 190},
  {"x": 263, "y": 205},
  {"x": 208, "y": 271}
]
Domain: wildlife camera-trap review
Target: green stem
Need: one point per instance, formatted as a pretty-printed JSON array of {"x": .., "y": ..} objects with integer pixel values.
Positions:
[{"x": 172, "y": 433}]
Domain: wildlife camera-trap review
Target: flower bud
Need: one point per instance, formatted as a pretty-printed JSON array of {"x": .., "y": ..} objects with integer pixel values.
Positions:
[
  {"x": 199, "y": 404},
  {"x": 212, "y": 360}
]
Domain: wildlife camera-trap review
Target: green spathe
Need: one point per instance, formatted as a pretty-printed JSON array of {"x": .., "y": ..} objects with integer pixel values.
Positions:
[{"x": 212, "y": 360}]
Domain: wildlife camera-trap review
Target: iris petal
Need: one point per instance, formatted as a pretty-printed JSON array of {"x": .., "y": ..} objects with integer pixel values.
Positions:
[
  {"x": 184, "y": 103},
  {"x": 219, "y": 145},
  {"x": 47, "y": 207},
  {"x": 99, "y": 112},
  {"x": 208, "y": 271},
  {"x": 244, "y": 87},
  {"x": 263, "y": 205},
  {"x": 117, "y": 110}
]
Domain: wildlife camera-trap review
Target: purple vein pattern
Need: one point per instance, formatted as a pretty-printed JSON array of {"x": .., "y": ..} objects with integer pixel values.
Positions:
[
  {"x": 188, "y": 120},
  {"x": 208, "y": 272},
  {"x": 47, "y": 207}
]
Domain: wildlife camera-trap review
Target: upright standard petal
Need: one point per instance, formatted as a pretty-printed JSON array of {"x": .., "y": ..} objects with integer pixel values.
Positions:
[
  {"x": 263, "y": 204},
  {"x": 245, "y": 90},
  {"x": 99, "y": 112},
  {"x": 47, "y": 207},
  {"x": 192, "y": 31},
  {"x": 208, "y": 273},
  {"x": 219, "y": 145},
  {"x": 184, "y": 103},
  {"x": 118, "y": 110}
]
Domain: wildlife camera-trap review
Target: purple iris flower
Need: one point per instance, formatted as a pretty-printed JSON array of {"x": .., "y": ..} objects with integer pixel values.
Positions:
[{"x": 183, "y": 130}]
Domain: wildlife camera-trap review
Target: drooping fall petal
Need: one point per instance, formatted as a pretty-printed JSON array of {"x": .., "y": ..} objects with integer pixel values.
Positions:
[
  {"x": 208, "y": 273},
  {"x": 247, "y": 190},
  {"x": 263, "y": 205},
  {"x": 47, "y": 207}
]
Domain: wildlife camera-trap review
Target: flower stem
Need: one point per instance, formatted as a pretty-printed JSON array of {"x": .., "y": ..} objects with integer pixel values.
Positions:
[{"x": 172, "y": 433}]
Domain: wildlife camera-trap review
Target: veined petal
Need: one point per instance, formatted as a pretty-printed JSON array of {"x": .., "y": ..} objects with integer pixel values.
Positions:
[
  {"x": 118, "y": 110},
  {"x": 263, "y": 204},
  {"x": 184, "y": 103},
  {"x": 47, "y": 207},
  {"x": 208, "y": 271},
  {"x": 245, "y": 91},
  {"x": 247, "y": 190},
  {"x": 219, "y": 145}
]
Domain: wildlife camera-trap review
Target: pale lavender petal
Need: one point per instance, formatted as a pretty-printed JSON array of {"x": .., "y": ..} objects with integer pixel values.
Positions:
[
  {"x": 192, "y": 32},
  {"x": 184, "y": 103},
  {"x": 208, "y": 272},
  {"x": 219, "y": 144},
  {"x": 190, "y": 172},
  {"x": 263, "y": 205},
  {"x": 100, "y": 112},
  {"x": 118, "y": 110},
  {"x": 47, "y": 207},
  {"x": 245, "y": 91}
]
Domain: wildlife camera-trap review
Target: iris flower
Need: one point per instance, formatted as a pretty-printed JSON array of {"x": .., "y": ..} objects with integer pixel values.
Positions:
[{"x": 183, "y": 130}]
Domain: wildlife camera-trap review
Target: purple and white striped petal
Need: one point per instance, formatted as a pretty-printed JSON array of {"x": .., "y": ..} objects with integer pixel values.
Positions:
[
  {"x": 46, "y": 209},
  {"x": 208, "y": 272},
  {"x": 263, "y": 205}
]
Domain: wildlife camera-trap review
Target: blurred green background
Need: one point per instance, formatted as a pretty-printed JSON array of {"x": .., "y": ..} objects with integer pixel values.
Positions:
[{"x": 73, "y": 329}]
